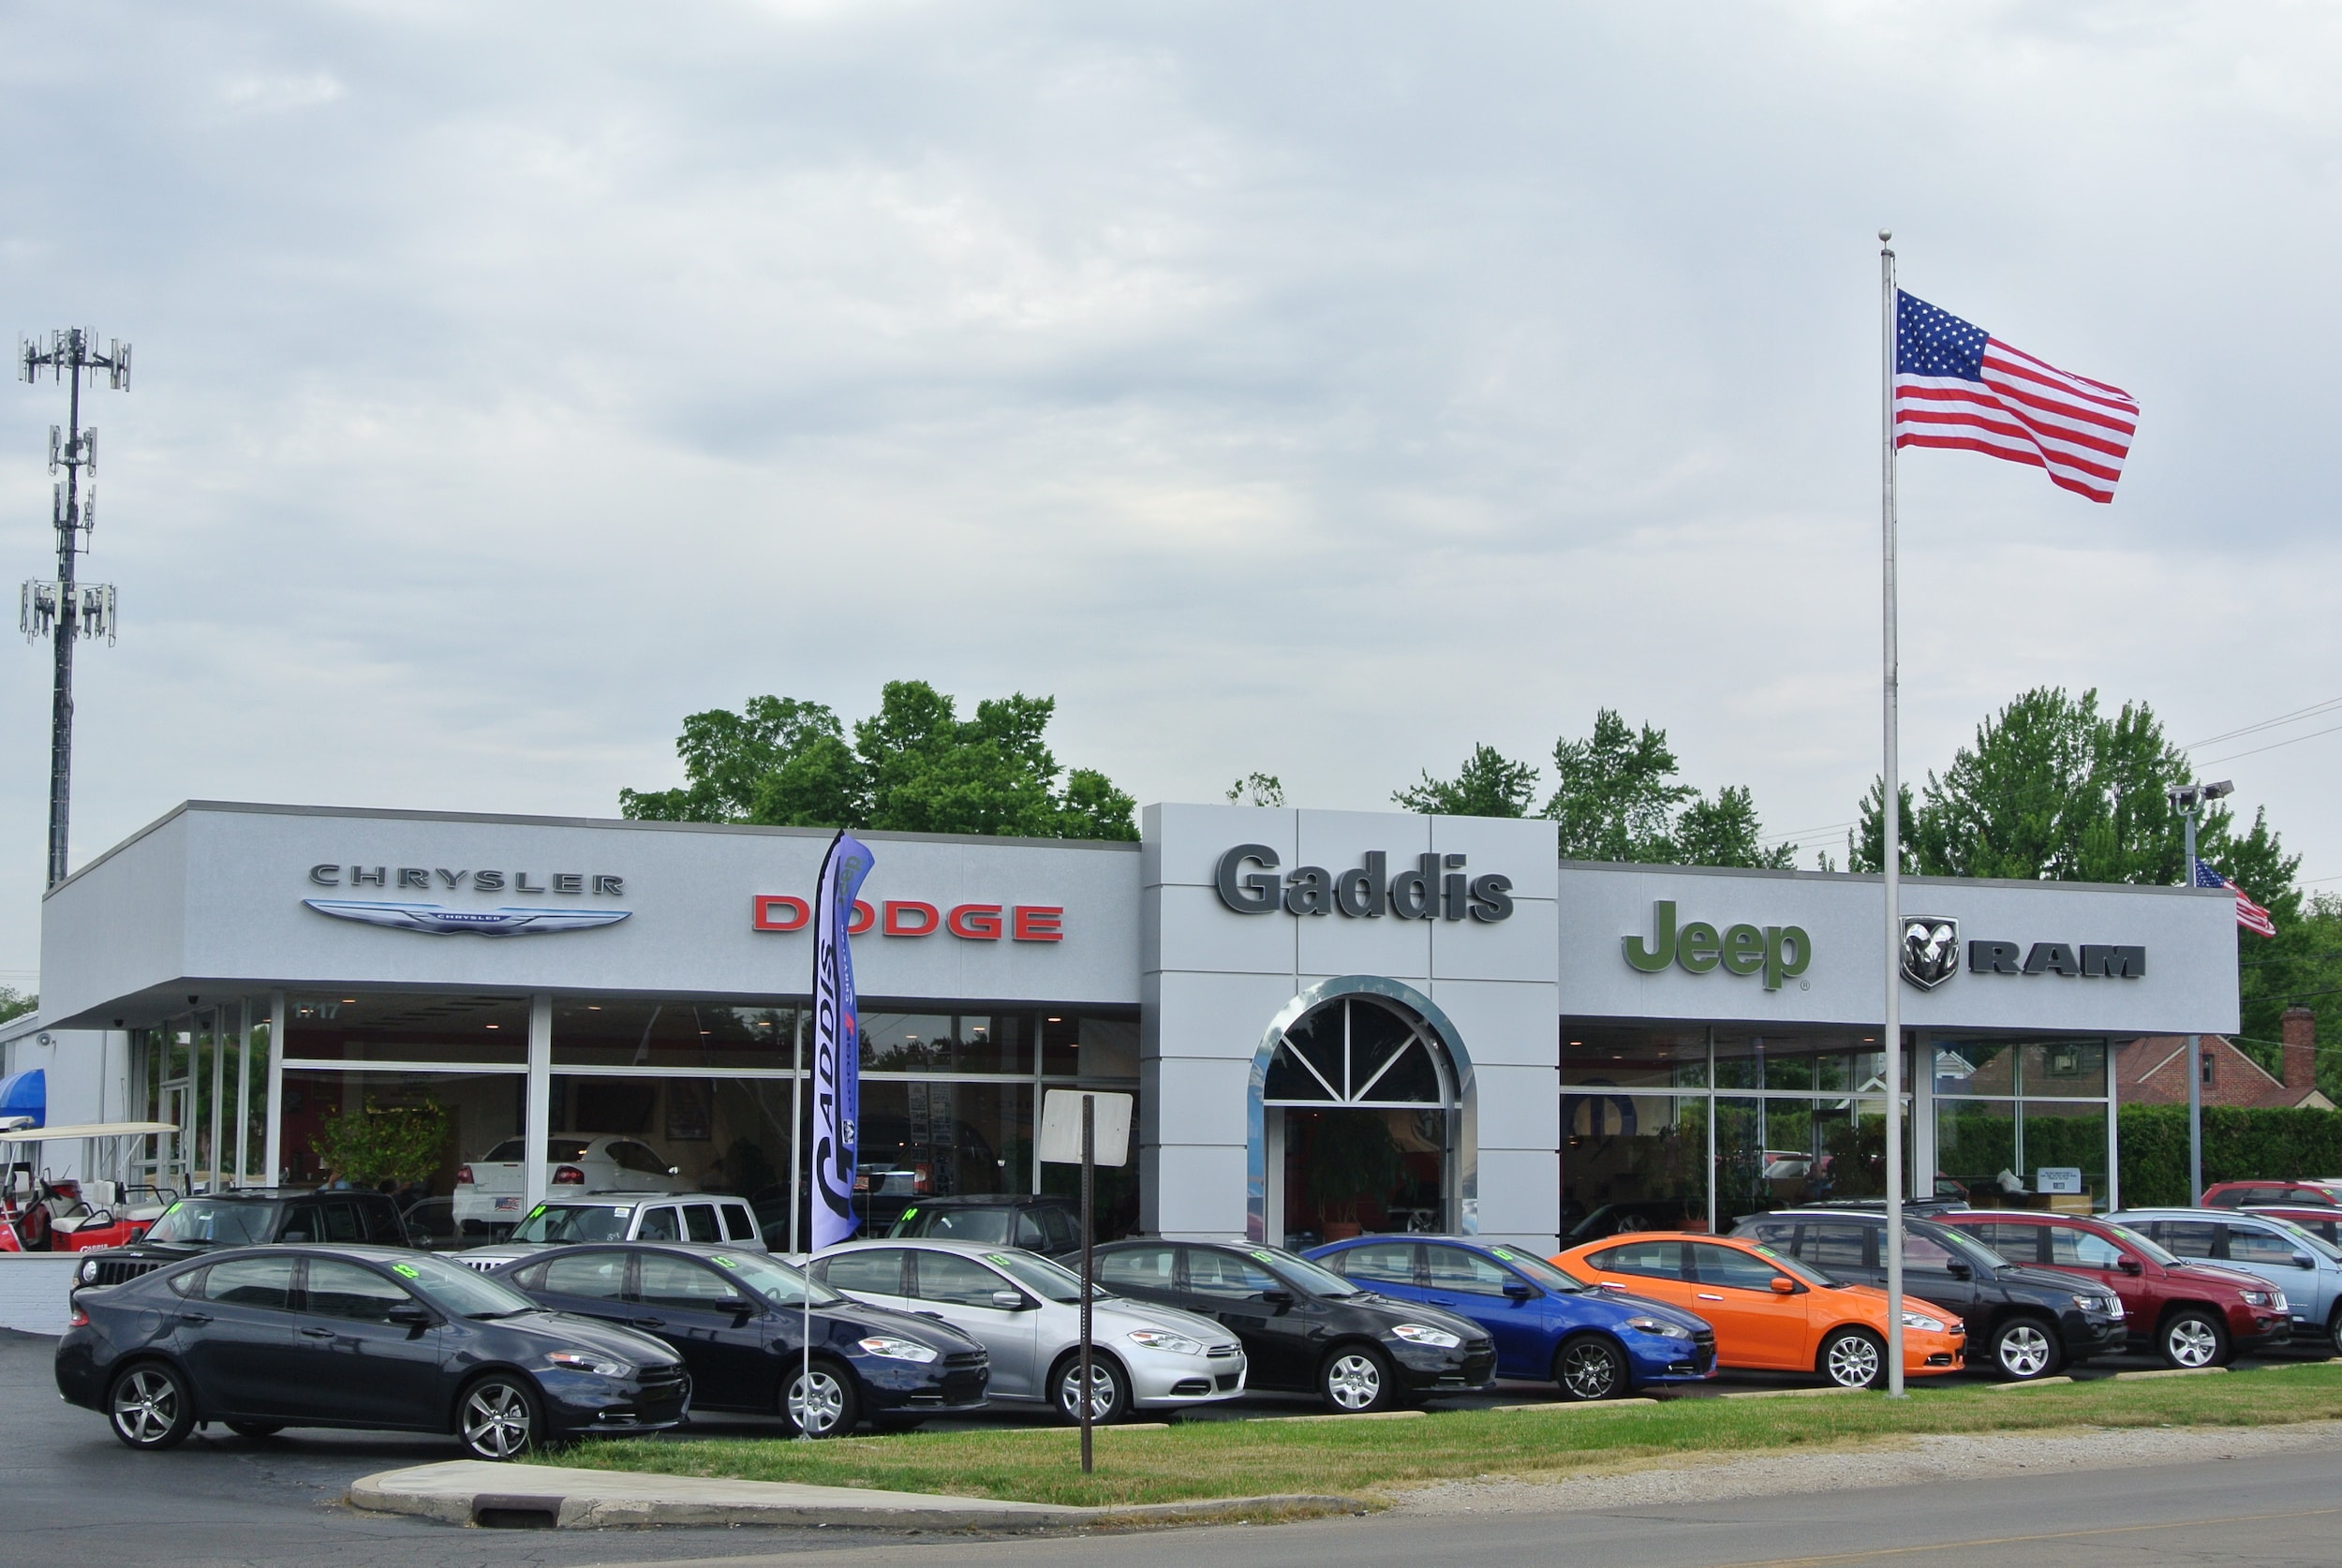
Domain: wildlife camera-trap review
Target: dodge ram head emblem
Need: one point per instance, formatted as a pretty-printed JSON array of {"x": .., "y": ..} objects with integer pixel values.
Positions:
[{"x": 1930, "y": 950}]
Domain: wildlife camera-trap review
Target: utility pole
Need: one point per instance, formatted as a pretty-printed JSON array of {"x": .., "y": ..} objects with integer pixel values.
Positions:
[
  {"x": 64, "y": 610},
  {"x": 2188, "y": 799}
]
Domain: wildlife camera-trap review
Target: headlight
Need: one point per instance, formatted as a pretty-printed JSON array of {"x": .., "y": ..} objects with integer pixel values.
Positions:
[
  {"x": 587, "y": 1361},
  {"x": 1424, "y": 1334},
  {"x": 2256, "y": 1298},
  {"x": 899, "y": 1349},
  {"x": 1660, "y": 1326},
  {"x": 1923, "y": 1322},
  {"x": 2110, "y": 1305},
  {"x": 2277, "y": 1301},
  {"x": 89, "y": 1270},
  {"x": 1164, "y": 1340}
]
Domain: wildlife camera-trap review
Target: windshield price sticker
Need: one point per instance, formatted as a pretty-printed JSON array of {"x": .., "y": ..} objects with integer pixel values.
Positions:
[
  {"x": 1265, "y": 1257},
  {"x": 409, "y": 1270},
  {"x": 1505, "y": 1253},
  {"x": 723, "y": 1261},
  {"x": 1002, "y": 1259}
]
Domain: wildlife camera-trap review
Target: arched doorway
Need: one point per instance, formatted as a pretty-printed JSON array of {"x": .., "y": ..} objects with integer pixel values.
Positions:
[{"x": 1361, "y": 1118}]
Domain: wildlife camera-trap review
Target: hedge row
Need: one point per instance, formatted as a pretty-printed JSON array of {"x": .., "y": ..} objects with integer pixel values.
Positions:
[{"x": 2238, "y": 1145}]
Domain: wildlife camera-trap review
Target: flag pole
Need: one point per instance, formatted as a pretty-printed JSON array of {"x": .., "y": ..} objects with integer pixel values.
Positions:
[{"x": 1891, "y": 822}]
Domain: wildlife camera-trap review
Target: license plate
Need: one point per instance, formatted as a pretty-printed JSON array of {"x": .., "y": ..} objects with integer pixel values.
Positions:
[{"x": 503, "y": 1204}]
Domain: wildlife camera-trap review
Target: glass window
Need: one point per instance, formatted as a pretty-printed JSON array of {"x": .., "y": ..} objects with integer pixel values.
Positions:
[
  {"x": 250, "y": 1282},
  {"x": 341, "y": 1220},
  {"x": 1828, "y": 1245},
  {"x": 1632, "y": 1162},
  {"x": 460, "y": 1291},
  {"x": 2081, "y": 1249},
  {"x": 928, "y": 1140},
  {"x": 2189, "y": 1238},
  {"x": 1925, "y": 1251},
  {"x": 1453, "y": 1268},
  {"x": 303, "y": 1222},
  {"x": 475, "y": 1112},
  {"x": 407, "y": 1028},
  {"x": 863, "y": 1270},
  {"x": 739, "y": 1224},
  {"x": 600, "y": 1275},
  {"x": 1028, "y": 1232},
  {"x": 206, "y": 1222},
  {"x": 1389, "y": 1262},
  {"x": 1651, "y": 1260},
  {"x": 1138, "y": 1269},
  {"x": 945, "y": 1043},
  {"x": 560, "y": 1223},
  {"x": 661, "y": 1222},
  {"x": 699, "y": 1220},
  {"x": 1222, "y": 1274},
  {"x": 775, "y": 1281},
  {"x": 1057, "y": 1228},
  {"x": 2247, "y": 1245},
  {"x": 1597, "y": 1056},
  {"x": 1048, "y": 1280},
  {"x": 683, "y": 1284},
  {"x": 955, "y": 1281},
  {"x": 1714, "y": 1264},
  {"x": 1090, "y": 1046},
  {"x": 344, "y": 1290},
  {"x": 682, "y": 1035},
  {"x": 1771, "y": 1232},
  {"x": 986, "y": 1227},
  {"x": 1799, "y": 1061},
  {"x": 2012, "y": 1240}
]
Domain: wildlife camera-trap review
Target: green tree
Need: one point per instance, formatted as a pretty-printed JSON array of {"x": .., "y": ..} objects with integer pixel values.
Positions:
[
  {"x": 384, "y": 1143},
  {"x": 1490, "y": 784},
  {"x": 15, "y": 1003},
  {"x": 1257, "y": 788},
  {"x": 914, "y": 766}
]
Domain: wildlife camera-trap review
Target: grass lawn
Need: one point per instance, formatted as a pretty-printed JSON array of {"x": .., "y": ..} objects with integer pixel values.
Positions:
[{"x": 1353, "y": 1458}]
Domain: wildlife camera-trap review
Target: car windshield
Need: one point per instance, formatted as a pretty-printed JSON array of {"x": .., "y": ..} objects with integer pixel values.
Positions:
[
  {"x": 1794, "y": 1269},
  {"x": 1304, "y": 1276},
  {"x": 1970, "y": 1250},
  {"x": 460, "y": 1292},
  {"x": 201, "y": 1223},
  {"x": 2317, "y": 1245},
  {"x": 1539, "y": 1270},
  {"x": 986, "y": 1227},
  {"x": 773, "y": 1280},
  {"x": 1051, "y": 1282},
  {"x": 2148, "y": 1244},
  {"x": 564, "y": 1223}
]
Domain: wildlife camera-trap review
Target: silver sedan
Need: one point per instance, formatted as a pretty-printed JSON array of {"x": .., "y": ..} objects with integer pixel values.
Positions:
[{"x": 1027, "y": 1312}]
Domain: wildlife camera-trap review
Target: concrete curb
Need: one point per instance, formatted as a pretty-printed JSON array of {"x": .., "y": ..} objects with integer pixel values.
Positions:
[
  {"x": 1576, "y": 1406},
  {"x": 1789, "y": 1393},
  {"x": 472, "y": 1492},
  {"x": 2167, "y": 1372},
  {"x": 2037, "y": 1382}
]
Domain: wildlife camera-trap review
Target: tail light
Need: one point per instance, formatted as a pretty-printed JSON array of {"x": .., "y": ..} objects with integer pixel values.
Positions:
[
  {"x": 568, "y": 1175},
  {"x": 922, "y": 1177},
  {"x": 77, "y": 1318},
  {"x": 463, "y": 1175}
]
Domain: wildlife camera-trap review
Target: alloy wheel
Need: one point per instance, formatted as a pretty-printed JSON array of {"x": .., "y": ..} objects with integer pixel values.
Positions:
[
  {"x": 1852, "y": 1361},
  {"x": 2190, "y": 1342},
  {"x": 820, "y": 1411},
  {"x": 1353, "y": 1382},
  {"x": 496, "y": 1420},
  {"x": 1588, "y": 1371},
  {"x": 1104, "y": 1394},
  {"x": 147, "y": 1407},
  {"x": 2024, "y": 1351}
]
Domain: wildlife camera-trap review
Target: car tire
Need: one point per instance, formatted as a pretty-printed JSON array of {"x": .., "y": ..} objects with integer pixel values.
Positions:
[
  {"x": 2025, "y": 1350},
  {"x": 1357, "y": 1380},
  {"x": 150, "y": 1407},
  {"x": 1110, "y": 1389},
  {"x": 1853, "y": 1358},
  {"x": 255, "y": 1430},
  {"x": 2334, "y": 1331},
  {"x": 499, "y": 1417},
  {"x": 836, "y": 1408},
  {"x": 2191, "y": 1339},
  {"x": 1588, "y": 1367}
]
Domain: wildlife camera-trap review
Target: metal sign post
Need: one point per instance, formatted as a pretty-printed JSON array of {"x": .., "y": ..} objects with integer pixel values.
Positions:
[
  {"x": 1090, "y": 1186},
  {"x": 1083, "y": 1127}
]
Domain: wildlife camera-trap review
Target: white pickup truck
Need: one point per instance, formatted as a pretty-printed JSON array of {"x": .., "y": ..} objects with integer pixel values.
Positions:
[{"x": 703, "y": 1217}]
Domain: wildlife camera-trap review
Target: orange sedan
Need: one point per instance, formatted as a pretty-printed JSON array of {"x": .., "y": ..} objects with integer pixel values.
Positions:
[{"x": 1771, "y": 1313}]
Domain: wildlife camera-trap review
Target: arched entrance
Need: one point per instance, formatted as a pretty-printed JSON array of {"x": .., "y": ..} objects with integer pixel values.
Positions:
[{"x": 1361, "y": 1118}]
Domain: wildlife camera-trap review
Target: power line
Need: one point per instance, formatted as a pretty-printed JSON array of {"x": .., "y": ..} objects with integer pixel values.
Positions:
[
  {"x": 2271, "y": 746},
  {"x": 2310, "y": 712}
]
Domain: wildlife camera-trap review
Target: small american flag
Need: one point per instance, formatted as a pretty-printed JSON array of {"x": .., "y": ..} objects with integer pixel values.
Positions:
[
  {"x": 2249, "y": 915},
  {"x": 1958, "y": 386}
]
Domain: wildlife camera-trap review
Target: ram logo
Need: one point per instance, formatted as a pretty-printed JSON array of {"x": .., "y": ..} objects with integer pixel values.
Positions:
[
  {"x": 1930, "y": 950},
  {"x": 437, "y": 920}
]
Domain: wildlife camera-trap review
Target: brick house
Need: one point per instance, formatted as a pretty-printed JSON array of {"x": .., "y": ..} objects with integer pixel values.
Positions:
[{"x": 2152, "y": 1070}]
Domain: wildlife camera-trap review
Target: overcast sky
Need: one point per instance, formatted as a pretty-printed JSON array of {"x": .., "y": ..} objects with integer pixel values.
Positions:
[{"x": 1316, "y": 389}]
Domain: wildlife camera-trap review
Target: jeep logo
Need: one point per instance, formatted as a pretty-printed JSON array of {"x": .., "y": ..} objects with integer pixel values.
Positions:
[{"x": 1779, "y": 953}]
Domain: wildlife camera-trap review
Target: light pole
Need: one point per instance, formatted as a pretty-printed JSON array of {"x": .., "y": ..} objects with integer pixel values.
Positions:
[{"x": 2188, "y": 800}]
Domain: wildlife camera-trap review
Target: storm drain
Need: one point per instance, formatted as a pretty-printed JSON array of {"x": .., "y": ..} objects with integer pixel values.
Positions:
[{"x": 492, "y": 1512}]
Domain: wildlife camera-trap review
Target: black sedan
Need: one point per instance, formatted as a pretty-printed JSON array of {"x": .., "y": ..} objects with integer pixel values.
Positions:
[
  {"x": 262, "y": 1338},
  {"x": 1304, "y": 1327},
  {"x": 738, "y": 1319}
]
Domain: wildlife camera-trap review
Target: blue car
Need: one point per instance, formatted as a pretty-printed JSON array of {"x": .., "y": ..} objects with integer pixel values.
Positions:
[{"x": 1547, "y": 1326}]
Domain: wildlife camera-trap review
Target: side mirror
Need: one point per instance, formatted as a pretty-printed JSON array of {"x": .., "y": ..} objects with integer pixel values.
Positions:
[
  {"x": 1959, "y": 1270},
  {"x": 1009, "y": 1301},
  {"x": 1277, "y": 1298},
  {"x": 2131, "y": 1265},
  {"x": 1784, "y": 1285},
  {"x": 411, "y": 1315},
  {"x": 2303, "y": 1260},
  {"x": 1519, "y": 1290}
]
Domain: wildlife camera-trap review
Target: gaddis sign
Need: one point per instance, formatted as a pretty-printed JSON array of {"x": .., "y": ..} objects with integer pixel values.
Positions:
[{"x": 1436, "y": 889}]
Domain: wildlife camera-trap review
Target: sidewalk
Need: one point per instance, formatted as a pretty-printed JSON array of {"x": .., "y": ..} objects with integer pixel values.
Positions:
[{"x": 474, "y": 1492}]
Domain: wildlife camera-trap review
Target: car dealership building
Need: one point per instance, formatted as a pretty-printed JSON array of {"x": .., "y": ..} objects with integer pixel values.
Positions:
[{"x": 1331, "y": 1020}]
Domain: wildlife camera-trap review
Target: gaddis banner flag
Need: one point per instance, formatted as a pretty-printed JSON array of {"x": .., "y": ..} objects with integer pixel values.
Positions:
[{"x": 836, "y": 1042}]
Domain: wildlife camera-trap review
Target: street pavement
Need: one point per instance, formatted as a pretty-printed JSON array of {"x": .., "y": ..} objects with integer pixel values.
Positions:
[{"x": 74, "y": 1496}]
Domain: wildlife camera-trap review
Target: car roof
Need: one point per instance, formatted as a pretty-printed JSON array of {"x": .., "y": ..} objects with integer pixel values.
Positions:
[
  {"x": 989, "y": 1200},
  {"x": 638, "y": 1195},
  {"x": 928, "y": 1244}
]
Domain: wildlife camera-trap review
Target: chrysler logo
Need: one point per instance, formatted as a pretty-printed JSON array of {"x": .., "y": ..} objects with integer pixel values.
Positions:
[
  {"x": 437, "y": 920},
  {"x": 1930, "y": 950}
]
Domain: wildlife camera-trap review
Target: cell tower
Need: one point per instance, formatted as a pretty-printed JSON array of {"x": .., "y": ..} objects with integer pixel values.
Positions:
[{"x": 64, "y": 610}]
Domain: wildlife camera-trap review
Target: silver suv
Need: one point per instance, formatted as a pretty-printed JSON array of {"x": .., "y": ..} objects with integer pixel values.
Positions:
[{"x": 701, "y": 1216}]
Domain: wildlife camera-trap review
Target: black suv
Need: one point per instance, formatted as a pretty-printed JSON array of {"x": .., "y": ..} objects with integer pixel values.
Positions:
[
  {"x": 1050, "y": 1226},
  {"x": 2030, "y": 1321},
  {"x": 248, "y": 1218}
]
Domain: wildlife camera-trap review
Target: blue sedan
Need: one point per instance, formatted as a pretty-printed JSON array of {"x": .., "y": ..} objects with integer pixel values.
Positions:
[{"x": 1546, "y": 1325}]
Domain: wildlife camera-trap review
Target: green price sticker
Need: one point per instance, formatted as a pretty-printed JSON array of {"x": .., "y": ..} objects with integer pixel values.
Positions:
[
  {"x": 1265, "y": 1257},
  {"x": 909, "y": 1213},
  {"x": 1505, "y": 1253},
  {"x": 723, "y": 1261},
  {"x": 409, "y": 1270},
  {"x": 1000, "y": 1258}
]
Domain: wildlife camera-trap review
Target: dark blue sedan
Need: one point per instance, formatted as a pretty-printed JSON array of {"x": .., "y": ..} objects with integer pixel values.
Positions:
[{"x": 1547, "y": 1326}]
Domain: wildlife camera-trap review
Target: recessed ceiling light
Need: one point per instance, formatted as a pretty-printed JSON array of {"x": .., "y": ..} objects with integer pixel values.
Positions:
[{"x": 495, "y": 1025}]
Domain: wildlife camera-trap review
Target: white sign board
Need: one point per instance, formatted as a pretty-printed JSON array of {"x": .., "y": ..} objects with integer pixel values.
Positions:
[
  {"x": 1061, "y": 1127},
  {"x": 2057, "y": 1179}
]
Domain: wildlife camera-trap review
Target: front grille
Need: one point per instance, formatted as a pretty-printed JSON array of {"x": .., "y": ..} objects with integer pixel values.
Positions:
[
  {"x": 965, "y": 1389},
  {"x": 1228, "y": 1382},
  {"x": 1221, "y": 1353},
  {"x": 114, "y": 1271},
  {"x": 1704, "y": 1339},
  {"x": 1191, "y": 1387},
  {"x": 968, "y": 1358},
  {"x": 1941, "y": 1359}
]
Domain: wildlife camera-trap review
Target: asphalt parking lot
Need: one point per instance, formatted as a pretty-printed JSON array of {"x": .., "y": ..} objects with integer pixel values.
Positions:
[{"x": 220, "y": 1499}]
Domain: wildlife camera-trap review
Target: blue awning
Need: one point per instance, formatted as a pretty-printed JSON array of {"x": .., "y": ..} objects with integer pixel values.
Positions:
[{"x": 26, "y": 1094}]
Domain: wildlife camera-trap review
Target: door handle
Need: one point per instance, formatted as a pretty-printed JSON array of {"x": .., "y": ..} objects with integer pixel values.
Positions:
[
  {"x": 315, "y": 1333},
  {"x": 1706, "y": 1296},
  {"x": 199, "y": 1319},
  {"x": 650, "y": 1323}
]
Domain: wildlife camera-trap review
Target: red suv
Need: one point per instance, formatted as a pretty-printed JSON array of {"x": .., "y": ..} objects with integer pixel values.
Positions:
[
  {"x": 2191, "y": 1314},
  {"x": 2299, "y": 1192}
]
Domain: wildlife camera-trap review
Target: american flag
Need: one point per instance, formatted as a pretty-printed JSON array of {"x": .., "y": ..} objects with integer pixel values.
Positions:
[
  {"x": 2249, "y": 915},
  {"x": 1958, "y": 386}
]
